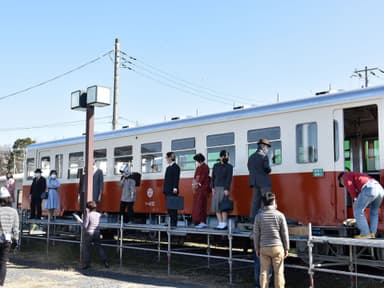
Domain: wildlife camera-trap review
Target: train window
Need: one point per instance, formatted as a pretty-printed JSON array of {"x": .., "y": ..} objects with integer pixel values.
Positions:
[
  {"x": 100, "y": 159},
  {"x": 123, "y": 156},
  {"x": 347, "y": 155},
  {"x": 45, "y": 165},
  {"x": 218, "y": 142},
  {"x": 306, "y": 143},
  {"x": 30, "y": 168},
  {"x": 76, "y": 161},
  {"x": 59, "y": 165},
  {"x": 273, "y": 135},
  {"x": 151, "y": 157},
  {"x": 184, "y": 153},
  {"x": 371, "y": 152},
  {"x": 336, "y": 151}
]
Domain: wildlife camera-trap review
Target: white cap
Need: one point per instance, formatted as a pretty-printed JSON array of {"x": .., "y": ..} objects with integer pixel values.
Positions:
[
  {"x": 4, "y": 193},
  {"x": 125, "y": 169}
]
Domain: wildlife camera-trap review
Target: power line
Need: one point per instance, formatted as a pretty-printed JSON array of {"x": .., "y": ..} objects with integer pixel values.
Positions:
[
  {"x": 61, "y": 124},
  {"x": 55, "y": 77},
  {"x": 184, "y": 84},
  {"x": 367, "y": 72}
]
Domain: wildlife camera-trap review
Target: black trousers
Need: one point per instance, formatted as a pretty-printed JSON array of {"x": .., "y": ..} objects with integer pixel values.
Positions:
[
  {"x": 35, "y": 207},
  {"x": 95, "y": 239},
  {"x": 4, "y": 257},
  {"x": 127, "y": 216},
  {"x": 173, "y": 217}
]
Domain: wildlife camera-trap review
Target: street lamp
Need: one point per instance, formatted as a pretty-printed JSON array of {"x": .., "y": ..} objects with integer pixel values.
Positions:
[{"x": 86, "y": 101}]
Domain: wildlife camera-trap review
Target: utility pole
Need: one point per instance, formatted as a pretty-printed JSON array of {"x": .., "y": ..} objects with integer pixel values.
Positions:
[
  {"x": 358, "y": 73},
  {"x": 116, "y": 79}
]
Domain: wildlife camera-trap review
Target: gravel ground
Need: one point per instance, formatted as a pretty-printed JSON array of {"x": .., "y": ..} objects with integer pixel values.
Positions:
[{"x": 32, "y": 268}]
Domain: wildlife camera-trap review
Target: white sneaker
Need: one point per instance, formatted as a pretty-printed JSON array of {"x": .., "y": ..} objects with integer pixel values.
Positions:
[
  {"x": 224, "y": 226},
  {"x": 219, "y": 225},
  {"x": 201, "y": 225}
]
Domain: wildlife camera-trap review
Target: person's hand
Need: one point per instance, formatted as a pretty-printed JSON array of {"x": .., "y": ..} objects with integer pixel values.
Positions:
[
  {"x": 257, "y": 253},
  {"x": 226, "y": 192},
  {"x": 213, "y": 191},
  {"x": 285, "y": 253},
  {"x": 174, "y": 190}
]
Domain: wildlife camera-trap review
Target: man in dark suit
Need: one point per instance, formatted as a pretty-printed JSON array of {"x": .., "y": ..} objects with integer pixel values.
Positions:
[
  {"x": 171, "y": 184},
  {"x": 39, "y": 185},
  {"x": 259, "y": 179},
  {"x": 98, "y": 183}
]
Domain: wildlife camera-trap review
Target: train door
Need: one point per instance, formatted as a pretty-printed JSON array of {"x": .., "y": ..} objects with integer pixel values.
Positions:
[
  {"x": 361, "y": 142},
  {"x": 338, "y": 152}
]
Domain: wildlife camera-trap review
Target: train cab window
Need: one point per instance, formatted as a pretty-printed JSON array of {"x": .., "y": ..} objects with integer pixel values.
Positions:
[
  {"x": 151, "y": 157},
  {"x": 371, "y": 155},
  {"x": 123, "y": 156},
  {"x": 184, "y": 152},
  {"x": 100, "y": 159},
  {"x": 59, "y": 165},
  {"x": 273, "y": 135},
  {"x": 45, "y": 165},
  {"x": 218, "y": 142},
  {"x": 30, "y": 168},
  {"x": 306, "y": 143},
  {"x": 76, "y": 161}
]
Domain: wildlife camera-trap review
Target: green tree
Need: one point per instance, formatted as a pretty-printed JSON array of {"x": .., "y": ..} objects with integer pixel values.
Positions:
[{"x": 16, "y": 156}]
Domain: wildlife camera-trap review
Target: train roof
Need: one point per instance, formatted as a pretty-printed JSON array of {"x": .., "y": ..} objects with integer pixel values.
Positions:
[{"x": 327, "y": 99}]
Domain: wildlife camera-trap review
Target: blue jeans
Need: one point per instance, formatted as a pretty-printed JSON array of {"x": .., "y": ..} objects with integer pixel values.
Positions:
[
  {"x": 371, "y": 196},
  {"x": 257, "y": 272}
]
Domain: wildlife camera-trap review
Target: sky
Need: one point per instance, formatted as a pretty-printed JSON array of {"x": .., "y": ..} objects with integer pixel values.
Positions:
[{"x": 187, "y": 58}]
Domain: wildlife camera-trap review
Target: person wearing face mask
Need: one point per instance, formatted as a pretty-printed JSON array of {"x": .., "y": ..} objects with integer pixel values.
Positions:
[
  {"x": 39, "y": 185},
  {"x": 221, "y": 183},
  {"x": 10, "y": 184},
  {"x": 128, "y": 195},
  {"x": 53, "y": 201}
]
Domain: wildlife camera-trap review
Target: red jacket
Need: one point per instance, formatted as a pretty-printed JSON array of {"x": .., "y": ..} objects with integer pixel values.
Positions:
[{"x": 354, "y": 182}]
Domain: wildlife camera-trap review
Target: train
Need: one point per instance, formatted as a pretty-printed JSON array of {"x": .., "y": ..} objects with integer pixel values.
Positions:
[{"x": 313, "y": 140}]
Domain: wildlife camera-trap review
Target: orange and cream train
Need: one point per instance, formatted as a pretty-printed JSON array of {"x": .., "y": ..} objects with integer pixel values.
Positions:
[{"x": 312, "y": 140}]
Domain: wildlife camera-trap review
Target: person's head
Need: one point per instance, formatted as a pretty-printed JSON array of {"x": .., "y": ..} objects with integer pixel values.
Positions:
[
  {"x": 264, "y": 144},
  {"x": 269, "y": 199},
  {"x": 53, "y": 174},
  {"x": 224, "y": 156},
  {"x": 199, "y": 158},
  {"x": 340, "y": 179},
  {"x": 170, "y": 157},
  {"x": 126, "y": 171},
  {"x": 5, "y": 197},
  {"x": 38, "y": 173},
  {"x": 91, "y": 205},
  {"x": 9, "y": 175}
]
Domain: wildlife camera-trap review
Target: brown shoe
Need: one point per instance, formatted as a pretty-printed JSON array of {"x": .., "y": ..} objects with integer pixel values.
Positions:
[{"x": 368, "y": 236}]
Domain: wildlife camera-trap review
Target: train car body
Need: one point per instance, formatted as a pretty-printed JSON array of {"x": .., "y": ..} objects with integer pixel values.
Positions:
[{"x": 312, "y": 140}]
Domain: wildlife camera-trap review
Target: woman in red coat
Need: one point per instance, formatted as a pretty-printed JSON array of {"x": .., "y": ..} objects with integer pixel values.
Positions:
[{"x": 201, "y": 187}]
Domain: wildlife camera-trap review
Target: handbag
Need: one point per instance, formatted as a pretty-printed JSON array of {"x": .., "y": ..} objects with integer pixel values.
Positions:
[
  {"x": 174, "y": 202},
  {"x": 226, "y": 205},
  {"x": 44, "y": 195}
]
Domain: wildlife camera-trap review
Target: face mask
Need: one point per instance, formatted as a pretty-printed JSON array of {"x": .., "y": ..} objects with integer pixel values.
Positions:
[
  {"x": 53, "y": 176},
  {"x": 225, "y": 160},
  {"x": 37, "y": 175}
]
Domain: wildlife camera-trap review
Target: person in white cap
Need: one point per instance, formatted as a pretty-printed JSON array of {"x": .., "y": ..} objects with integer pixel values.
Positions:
[
  {"x": 9, "y": 230},
  {"x": 128, "y": 195}
]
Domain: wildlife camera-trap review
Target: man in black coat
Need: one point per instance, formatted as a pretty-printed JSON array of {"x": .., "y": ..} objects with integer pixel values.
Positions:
[
  {"x": 259, "y": 179},
  {"x": 39, "y": 185},
  {"x": 171, "y": 184}
]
